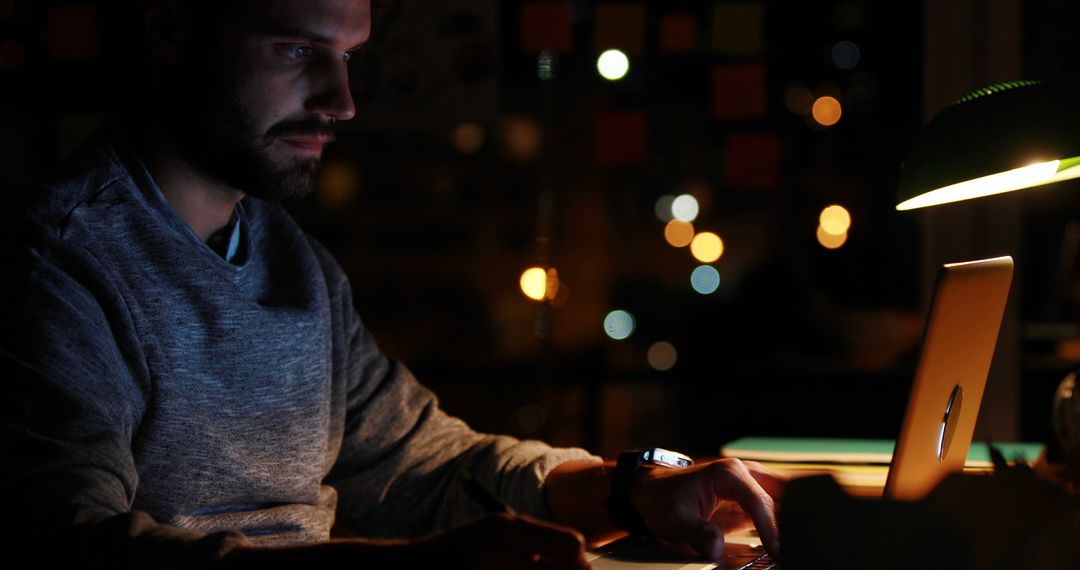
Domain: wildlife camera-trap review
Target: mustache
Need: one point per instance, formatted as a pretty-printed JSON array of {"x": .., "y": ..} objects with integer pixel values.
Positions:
[{"x": 303, "y": 128}]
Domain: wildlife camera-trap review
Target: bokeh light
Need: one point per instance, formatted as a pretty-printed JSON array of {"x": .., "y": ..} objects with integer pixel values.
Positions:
[
  {"x": 678, "y": 234},
  {"x": 663, "y": 207},
  {"x": 826, "y": 111},
  {"x": 705, "y": 279},
  {"x": 534, "y": 283},
  {"x": 845, "y": 55},
  {"x": 830, "y": 241},
  {"x": 685, "y": 208},
  {"x": 835, "y": 220},
  {"x": 613, "y": 64},
  {"x": 798, "y": 100},
  {"x": 468, "y": 138},
  {"x": 540, "y": 285},
  {"x": 619, "y": 324},
  {"x": 707, "y": 247},
  {"x": 339, "y": 183},
  {"x": 547, "y": 65},
  {"x": 662, "y": 356},
  {"x": 522, "y": 137}
]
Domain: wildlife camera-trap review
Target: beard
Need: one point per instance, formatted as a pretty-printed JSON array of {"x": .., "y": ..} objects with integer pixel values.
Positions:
[{"x": 218, "y": 133}]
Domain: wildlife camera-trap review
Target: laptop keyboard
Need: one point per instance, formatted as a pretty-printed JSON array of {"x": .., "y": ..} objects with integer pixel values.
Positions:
[{"x": 756, "y": 559}]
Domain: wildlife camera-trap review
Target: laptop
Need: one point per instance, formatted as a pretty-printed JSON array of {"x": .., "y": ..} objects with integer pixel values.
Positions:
[{"x": 962, "y": 327}]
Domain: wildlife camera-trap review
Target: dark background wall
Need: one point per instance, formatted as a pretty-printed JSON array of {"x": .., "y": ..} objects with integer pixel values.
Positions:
[{"x": 475, "y": 155}]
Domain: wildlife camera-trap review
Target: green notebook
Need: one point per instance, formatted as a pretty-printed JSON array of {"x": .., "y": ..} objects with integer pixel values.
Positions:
[{"x": 859, "y": 451}]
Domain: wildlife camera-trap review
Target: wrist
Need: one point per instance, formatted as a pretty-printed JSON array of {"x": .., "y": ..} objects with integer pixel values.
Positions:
[{"x": 633, "y": 472}]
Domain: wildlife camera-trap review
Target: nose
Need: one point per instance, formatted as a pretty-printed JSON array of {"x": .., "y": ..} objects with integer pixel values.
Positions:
[{"x": 330, "y": 94}]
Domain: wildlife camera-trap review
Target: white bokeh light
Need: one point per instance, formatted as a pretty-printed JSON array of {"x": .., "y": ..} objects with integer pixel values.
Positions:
[
  {"x": 613, "y": 64},
  {"x": 685, "y": 208}
]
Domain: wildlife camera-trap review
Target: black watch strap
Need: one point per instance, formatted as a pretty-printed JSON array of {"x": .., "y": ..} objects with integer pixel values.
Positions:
[{"x": 627, "y": 470}]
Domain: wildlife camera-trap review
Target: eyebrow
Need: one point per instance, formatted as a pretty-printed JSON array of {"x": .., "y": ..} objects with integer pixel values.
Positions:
[{"x": 298, "y": 33}]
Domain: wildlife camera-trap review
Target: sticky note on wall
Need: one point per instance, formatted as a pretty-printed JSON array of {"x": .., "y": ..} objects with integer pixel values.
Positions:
[
  {"x": 620, "y": 138},
  {"x": 678, "y": 33},
  {"x": 619, "y": 26},
  {"x": 737, "y": 28},
  {"x": 546, "y": 25},
  {"x": 738, "y": 91},
  {"x": 753, "y": 161}
]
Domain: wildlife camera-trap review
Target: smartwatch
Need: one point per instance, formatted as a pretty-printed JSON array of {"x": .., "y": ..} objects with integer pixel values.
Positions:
[{"x": 627, "y": 469}]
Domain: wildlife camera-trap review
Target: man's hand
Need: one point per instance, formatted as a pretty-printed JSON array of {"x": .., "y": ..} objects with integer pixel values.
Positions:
[
  {"x": 505, "y": 542},
  {"x": 697, "y": 505}
]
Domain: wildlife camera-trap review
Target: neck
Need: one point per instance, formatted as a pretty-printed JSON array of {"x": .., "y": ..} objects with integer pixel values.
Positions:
[{"x": 205, "y": 203}]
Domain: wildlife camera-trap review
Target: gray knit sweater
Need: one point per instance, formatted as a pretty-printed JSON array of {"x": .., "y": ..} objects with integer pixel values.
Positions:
[{"x": 158, "y": 395}]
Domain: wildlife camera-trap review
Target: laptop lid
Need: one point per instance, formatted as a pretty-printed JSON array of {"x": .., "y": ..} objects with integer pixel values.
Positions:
[{"x": 958, "y": 345}]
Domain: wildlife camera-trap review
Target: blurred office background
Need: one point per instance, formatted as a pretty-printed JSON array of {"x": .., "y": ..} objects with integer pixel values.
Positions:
[{"x": 488, "y": 141}]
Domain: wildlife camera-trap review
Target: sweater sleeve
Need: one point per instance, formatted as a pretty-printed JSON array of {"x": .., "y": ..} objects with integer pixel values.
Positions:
[
  {"x": 399, "y": 470},
  {"x": 72, "y": 404}
]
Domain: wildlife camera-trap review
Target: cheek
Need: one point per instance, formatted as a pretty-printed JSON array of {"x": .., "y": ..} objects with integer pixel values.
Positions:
[
  {"x": 270, "y": 97},
  {"x": 268, "y": 89}
]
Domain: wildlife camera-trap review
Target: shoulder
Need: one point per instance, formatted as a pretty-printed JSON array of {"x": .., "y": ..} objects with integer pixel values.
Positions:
[{"x": 90, "y": 178}]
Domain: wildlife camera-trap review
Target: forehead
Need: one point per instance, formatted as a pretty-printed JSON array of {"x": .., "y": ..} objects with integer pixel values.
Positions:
[{"x": 344, "y": 21}]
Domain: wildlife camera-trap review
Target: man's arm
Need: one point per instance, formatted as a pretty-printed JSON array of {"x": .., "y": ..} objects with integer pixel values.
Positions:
[
  {"x": 398, "y": 473},
  {"x": 694, "y": 506},
  {"x": 500, "y": 542}
]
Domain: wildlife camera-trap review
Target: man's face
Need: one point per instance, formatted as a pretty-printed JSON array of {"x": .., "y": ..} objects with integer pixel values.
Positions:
[{"x": 255, "y": 104}]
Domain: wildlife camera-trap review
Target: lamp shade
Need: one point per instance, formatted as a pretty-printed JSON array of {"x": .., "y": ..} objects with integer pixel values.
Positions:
[{"x": 997, "y": 139}]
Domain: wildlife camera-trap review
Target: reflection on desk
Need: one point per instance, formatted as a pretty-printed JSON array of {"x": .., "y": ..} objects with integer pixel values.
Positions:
[{"x": 742, "y": 552}]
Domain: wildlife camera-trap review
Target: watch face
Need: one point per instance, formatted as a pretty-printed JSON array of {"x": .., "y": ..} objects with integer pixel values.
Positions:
[{"x": 668, "y": 458}]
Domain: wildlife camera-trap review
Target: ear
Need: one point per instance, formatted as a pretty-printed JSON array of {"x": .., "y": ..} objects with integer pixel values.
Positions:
[{"x": 165, "y": 24}]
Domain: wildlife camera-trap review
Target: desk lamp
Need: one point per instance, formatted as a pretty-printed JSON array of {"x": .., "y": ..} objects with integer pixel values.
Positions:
[{"x": 1001, "y": 138}]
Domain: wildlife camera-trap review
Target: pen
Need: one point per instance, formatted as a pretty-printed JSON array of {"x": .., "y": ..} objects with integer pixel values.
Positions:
[{"x": 484, "y": 497}]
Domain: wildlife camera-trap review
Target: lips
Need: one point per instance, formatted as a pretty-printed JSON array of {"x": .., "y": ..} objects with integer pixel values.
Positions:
[{"x": 313, "y": 145}]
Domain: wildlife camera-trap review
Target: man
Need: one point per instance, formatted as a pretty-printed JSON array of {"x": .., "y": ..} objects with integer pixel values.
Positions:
[{"x": 190, "y": 383}]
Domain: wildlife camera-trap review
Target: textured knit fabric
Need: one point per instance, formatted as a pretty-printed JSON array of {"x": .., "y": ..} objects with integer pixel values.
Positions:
[{"x": 148, "y": 377}]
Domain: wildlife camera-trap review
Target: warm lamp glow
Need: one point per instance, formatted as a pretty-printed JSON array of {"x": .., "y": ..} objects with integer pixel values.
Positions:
[
  {"x": 1018, "y": 179},
  {"x": 996, "y": 139}
]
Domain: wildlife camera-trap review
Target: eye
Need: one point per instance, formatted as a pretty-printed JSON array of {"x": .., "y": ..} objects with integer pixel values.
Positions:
[{"x": 294, "y": 52}]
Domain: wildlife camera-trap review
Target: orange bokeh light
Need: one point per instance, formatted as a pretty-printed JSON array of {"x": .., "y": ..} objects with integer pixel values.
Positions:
[
  {"x": 679, "y": 234},
  {"x": 827, "y": 111}
]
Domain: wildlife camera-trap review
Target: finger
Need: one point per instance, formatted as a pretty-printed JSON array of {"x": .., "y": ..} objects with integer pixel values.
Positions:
[
  {"x": 707, "y": 540},
  {"x": 557, "y": 546},
  {"x": 731, "y": 479},
  {"x": 730, "y": 517},
  {"x": 770, "y": 480}
]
